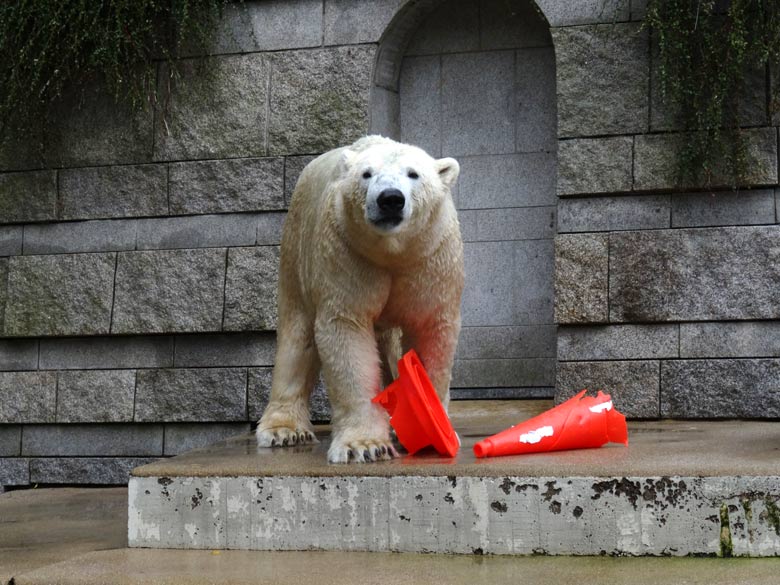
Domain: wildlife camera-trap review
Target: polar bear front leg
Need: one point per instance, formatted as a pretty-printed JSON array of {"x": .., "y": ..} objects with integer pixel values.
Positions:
[
  {"x": 351, "y": 367},
  {"x": 436, "y": 344}
]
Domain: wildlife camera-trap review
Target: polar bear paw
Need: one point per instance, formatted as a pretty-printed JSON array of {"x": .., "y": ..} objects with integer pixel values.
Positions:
[
  {"x": 284, "y": 436},
  {"x": 361, "y": 451}
]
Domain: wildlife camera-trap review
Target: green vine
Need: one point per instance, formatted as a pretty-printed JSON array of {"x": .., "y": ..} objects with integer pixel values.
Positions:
[
  {"x": 47, "y": 46},
  {"x": 706, "y": 49}
]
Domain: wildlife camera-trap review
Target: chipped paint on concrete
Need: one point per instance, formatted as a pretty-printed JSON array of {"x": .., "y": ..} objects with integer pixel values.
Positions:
[{"x": 672, "y": 516}]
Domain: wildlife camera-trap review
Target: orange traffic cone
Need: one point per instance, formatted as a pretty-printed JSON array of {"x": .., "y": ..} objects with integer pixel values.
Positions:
[
  {"x": 415, "y": 410},
  {"x": 581, "y": 422}
]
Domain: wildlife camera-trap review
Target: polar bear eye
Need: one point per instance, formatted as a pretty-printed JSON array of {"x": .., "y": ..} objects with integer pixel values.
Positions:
[
  {"x": 367, "y": 175},
  {"x": 412, "y": 175}
]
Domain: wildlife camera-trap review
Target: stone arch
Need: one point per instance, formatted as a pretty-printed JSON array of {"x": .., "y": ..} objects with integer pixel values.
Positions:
[{"x": 476, "y": 80}]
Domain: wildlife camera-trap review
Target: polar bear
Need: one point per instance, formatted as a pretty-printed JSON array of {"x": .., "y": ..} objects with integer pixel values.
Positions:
[{"x": 371, "y": 265}]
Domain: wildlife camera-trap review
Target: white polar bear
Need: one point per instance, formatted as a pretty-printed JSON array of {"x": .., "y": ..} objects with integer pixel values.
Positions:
[{"x": 371, "y": 265}]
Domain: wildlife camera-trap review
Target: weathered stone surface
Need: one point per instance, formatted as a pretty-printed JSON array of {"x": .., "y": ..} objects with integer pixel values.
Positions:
[
  {"x": 59, "y": 295},
  {"x": 618, "y": 342},
  {"x": 514, "y": 223},
  {"x": 655, "y": 161},
  {"x": 253, "y": 184},
  {"x": 18, "y": 354},
  {"x": 453, "y": 27},
  {"x": 349, "y": 22},
  {"x": 735, "y": 339},
  {"x": 200, "y": 231},
  {"x": 260, "y": 392},
  {"x": 29, "y": 196},
  {"x": 633, "y": 385},
  {"x": 11, "y": 240},
  {"x": 27, "y": 397},
  {"x": 92, "y": 440},
  {"x": 595, "y": 165},
  {"x": 503, "y": 373},
  {"x": 609, "y": 214},
  {"x": 84, "y": 470},
  {"x": 694, "y": 274},
  {"x": 250, "y": 288},
  {"x": 106, "y": 352},
  {"x": 269, "y": 228},
  {"x": 217, "y": 109},
  {"x": 419, "y": 103},
  {"x": 724, "y": 208},
  {"x": 14, "y": 471},
  {"x": 169, "y": 291},
  {"x": 603, "y": 72},
  {"x": 744, "y": 388},
  {"x": 513, "y": 180},
  {"x": 581, "y": 278},
  {"x": 3, "y": 290},
  {"x": 512, "y": 25},
  {"x": 536, "y": 107},
  {"x": 191, "y": 395},
  {"x": 293, "y": 166},
  {"x": 10, "y": 441},
  {"x": 183, "y": 437},
  {"x": 234, "y": 349},
  {"x": 584, "y": 11},
  {"x": 118, "y": 191},
  {"x": 80, "y": 236},
  {"x": 95, "y": 396},
  {"x": 326, "y": 93},
  {"x": 527, "y": 393},
  {"x": 506, "y": 342}
]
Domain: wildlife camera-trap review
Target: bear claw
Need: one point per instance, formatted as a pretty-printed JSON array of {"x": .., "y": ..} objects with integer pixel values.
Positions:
[{"x": 284, "y": 437}]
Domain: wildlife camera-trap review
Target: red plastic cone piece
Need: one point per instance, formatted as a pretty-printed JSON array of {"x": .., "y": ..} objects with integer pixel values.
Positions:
[
  {"x": 581, "y": 422},
  {"x": 416, "y": 413}
]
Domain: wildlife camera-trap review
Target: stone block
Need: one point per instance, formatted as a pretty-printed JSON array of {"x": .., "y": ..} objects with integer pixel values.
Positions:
[
  {"x": 478, "y": 90},
  {"x": 526, "y": 393},
  {"x": 269, "y": 228},
  {"x": 28, "y": 397},
  {"x": 618, "y": 342},
  {"x": 610, "y": 214},
  {"x": 633, "y": 385},
  {"x": 724, "y": 208},
  {"x": 250, "y": 288},
  {"x": 92, "y": 440},
  {"x": 510, "y": 223},
  {"x": 95, "y": 396},
  {"x": 326, "y": 93},
  {"x": 734, "y": 339},
  {"x": 18, "y": 354},
  {"x": 14, "y": 471},
  {"x": 509, "y": 25},
  {"x": 536, "y": 108},
  {"x": 191, "y": 395},
  {"x": 271, "y": 25},
  {"x": 233, "y": 349},
  {"x": 28, "y": 196},
  {"x": 219, "y": 186},
  {"x": 169, "y": 291},
  {"x": 260, "y": 392},
  {"x": 200, "y": 231},
  {"x": 349, "y": 22},
  {"x": 537, "y": 341},
  {"x": 638, "y": 9},
  {"x": 10, "y": 441},
  {"x": 694, "y": 274},
  {"x": 420, "y": 116},
  {"x": 80, "y": 236},
  {"x": 595, "y": 165},
  {"x": 217, "y": 109},
  {"x": 603, "y": 74},
  {"x": 293, "y": 166},
  {"x": 510, "y": 283},
  {"x": 3, "y": 290},
  {"x": 503, "y": 373},
  {"x": 584, "y": 11},
  {"x": 106, "y": 353},
  {"x": 452, "y": 28},
  {"x": 84, "y": 470},
  {"x": 183, "y": 437},
  {"x": 11, "y": 240},
  {"x": 117, "y": 191},
  {"x": 515, "y": 180},
  {"x": 67, "y": 294},
  {"x": 655, "y": 161},
  {"x": 385, "y": 112},
  {"x": 743, "y": 388},
  {"x": 581, "y": 278}
]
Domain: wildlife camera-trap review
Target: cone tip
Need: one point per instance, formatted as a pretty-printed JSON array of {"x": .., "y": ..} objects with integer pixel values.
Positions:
[{"x": 483, "y": 448}]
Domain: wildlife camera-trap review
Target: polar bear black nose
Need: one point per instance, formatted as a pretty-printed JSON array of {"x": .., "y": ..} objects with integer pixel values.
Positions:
[{"x": 390, "y": 201}]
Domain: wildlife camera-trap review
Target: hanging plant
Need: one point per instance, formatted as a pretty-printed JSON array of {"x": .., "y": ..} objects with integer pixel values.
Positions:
[
  {"x": 49, "y": 45},
  {"x": 706, "y": 49}
]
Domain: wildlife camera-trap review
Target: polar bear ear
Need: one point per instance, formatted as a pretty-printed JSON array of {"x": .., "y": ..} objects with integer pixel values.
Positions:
[
  {"x": 347, "y": 158},
  {"x": 448, "y": 169}
]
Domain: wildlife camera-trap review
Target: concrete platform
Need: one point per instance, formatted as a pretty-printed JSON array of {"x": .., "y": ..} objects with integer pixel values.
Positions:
[{"x": 680, "y": 488}]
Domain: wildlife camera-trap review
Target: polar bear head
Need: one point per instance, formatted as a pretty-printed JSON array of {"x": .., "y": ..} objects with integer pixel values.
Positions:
[{"x": 395, "y": 187}]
